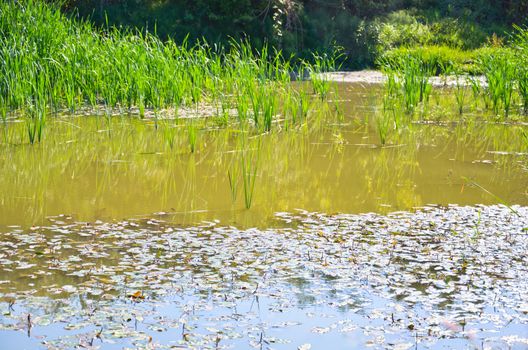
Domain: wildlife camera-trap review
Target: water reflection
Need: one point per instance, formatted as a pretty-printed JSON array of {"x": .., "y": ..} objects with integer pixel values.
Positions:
[{"x": 96, "y": 168}]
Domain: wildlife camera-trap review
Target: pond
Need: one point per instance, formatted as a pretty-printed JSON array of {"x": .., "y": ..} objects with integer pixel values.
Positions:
[
  {"x": 319, "y": 235},
  {"x": 93, "y": 168}
]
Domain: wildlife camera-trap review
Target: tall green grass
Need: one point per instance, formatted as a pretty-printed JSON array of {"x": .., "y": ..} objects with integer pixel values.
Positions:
[
  {"x": 460, "y": 92},
  {"x": 49, "y": 62},
  {"x": 505, "y": 91},
  {"x": 501, "y": 74},
  {"x": 408, "y": 79},
  {"x": 322, "y": 63},
  {"x": 523, "y": 87}
]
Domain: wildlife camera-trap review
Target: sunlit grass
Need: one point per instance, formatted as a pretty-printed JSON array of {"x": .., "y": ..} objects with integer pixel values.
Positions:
[{"x": 52, "y": 64}]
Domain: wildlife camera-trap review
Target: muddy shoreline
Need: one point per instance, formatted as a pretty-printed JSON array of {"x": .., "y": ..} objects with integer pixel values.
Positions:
[{"x": 374, "y": 77}]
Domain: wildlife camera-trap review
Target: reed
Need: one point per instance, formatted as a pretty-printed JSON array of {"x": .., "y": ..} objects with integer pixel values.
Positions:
[
  {"x": 476, "y": 88},
  {"x": 249, "y": 166},
  {"x": 523, "y": 87},
  {"x": 408, "y": 79},
  {"x": 460, "y": 93},
  {"x": 322, "y": 63},
  {"x": 269, "y": 107},
  {"x": 132, "y": 71},
  {"x": 500, "y": 72},
  {"x": 35, "y": 122},
  {"x": 192, "y": 135},
  {"x": 169, "y": 133},
  {"x": 383, "y": 123}
]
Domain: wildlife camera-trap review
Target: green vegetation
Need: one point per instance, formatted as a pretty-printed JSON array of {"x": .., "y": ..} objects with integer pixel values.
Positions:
[
  {"x": 443, "y": 59},
  {"x": 51, "y": 64},
  {"x": 364, "y": 28},
  {"x": 139, "y": 154},
  {"x": 499, "y": 95}
]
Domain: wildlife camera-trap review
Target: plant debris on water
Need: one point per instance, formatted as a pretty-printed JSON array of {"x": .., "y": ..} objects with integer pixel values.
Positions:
[{"x": 440, "y": 277}]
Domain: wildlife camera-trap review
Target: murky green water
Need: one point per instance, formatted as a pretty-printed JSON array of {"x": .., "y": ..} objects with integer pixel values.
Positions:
[
  {"x": 115, "y": 235},
  {"x": 93, "y": 168}
]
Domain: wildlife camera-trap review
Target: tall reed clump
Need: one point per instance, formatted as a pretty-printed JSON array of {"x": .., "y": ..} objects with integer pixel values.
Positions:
[
  {"x": 460, "y": 92},
  {"x": 500, "y": 72},
  {"x": 322, "y": 64},
  {"x": 390, "y": 102},
  {"x": 520, "y": 42},
  {"x": 415, "y": 80},
  {"x": 476, "y": 88},
  {"x": 193, "y": 136},
  {"x": 132, "y": 71},
  {"x": 383, "y": 125},
  {"x": 408, "y": 79},
  {"x": 523, "y": 87}
]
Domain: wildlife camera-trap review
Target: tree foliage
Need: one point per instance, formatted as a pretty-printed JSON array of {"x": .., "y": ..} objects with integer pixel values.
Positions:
[{"x": 361, "y": 27}]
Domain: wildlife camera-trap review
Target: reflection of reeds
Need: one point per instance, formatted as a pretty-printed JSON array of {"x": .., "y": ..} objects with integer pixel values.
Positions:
[
  {"x": 312, "y": 166},
  {"x": 249, "y": 166},
  {"x": 383, "y": 123}
]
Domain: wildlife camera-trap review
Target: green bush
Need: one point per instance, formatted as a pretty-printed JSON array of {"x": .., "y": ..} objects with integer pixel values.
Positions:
[
  {"x": 404, "y": 28},
  {"x": 443, "y": 59}
]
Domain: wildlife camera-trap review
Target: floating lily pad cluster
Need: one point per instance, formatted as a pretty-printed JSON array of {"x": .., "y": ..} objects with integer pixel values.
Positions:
[{"x": 438, "y": 278}]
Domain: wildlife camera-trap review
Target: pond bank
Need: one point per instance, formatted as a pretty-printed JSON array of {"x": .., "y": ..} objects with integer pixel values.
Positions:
[{"x": 377, "y": 78}]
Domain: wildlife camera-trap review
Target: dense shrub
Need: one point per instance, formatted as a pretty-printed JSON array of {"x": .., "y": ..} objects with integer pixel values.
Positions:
[
  {"x": 364, "y": 28},
  {"x": 441, "y": 59},
  {"x": 444, "y": 59}
]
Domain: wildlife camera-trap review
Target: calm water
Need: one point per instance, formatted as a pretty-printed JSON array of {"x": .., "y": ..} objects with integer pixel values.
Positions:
[
  {"x": 113, "y": 238},
  {"x": 91, "y": 168}
]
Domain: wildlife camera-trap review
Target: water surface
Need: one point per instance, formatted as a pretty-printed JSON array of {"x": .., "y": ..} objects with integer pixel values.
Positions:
[{"x": 97, "y": 168}]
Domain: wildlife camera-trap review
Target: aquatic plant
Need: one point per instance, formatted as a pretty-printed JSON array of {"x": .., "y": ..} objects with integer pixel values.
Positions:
[
  {"x": 392, "y": 86},
  {"x": 322, "y": 63},
  {"x": 192, "y": 135},
  {"x": 249, "y": 165},
  {"x": 460, "y": 93},
  {"x": 35, "y": 122},
  {"x": 523, "y": 87},
  {"x": 383, "y": 123},
  {"x": 500, "y": 72},
  {"x": 476, "y": 88},
  {"x": 169, "y": 133},
  {"x": 269, "y": 106},
  {"x": 415, "y": 82},
  {"x": 408, "y": 79},
  {"x": 129, "y": 71}
]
